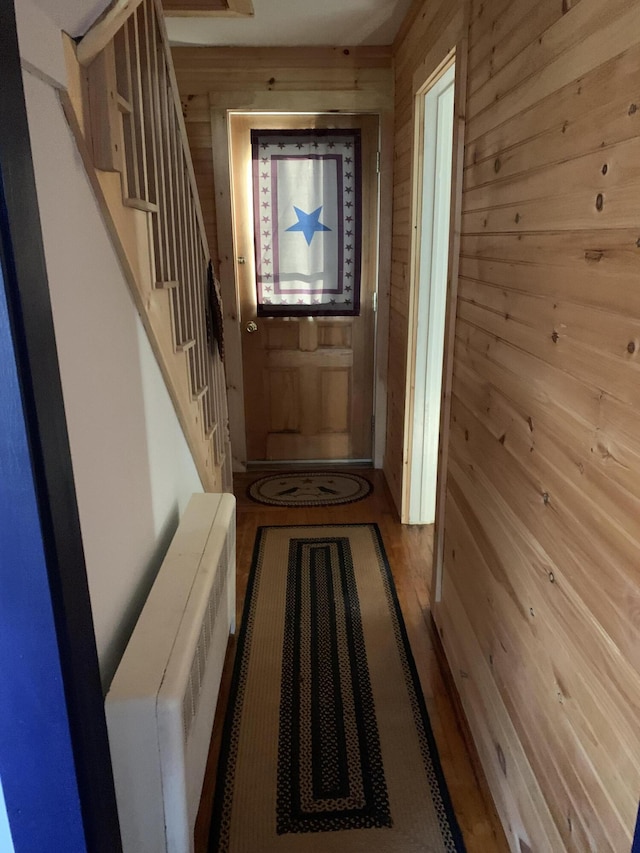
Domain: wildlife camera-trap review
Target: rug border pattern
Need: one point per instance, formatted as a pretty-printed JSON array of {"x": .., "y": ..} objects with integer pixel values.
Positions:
[{"x": 449, "y": 827}]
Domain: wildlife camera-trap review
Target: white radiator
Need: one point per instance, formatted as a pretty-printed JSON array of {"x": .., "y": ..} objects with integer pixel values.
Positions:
[{"x": 162, "y": 701}]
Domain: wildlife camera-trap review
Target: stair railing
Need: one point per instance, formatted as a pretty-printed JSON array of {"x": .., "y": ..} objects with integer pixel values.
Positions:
[{"x": 124, "y": 108}]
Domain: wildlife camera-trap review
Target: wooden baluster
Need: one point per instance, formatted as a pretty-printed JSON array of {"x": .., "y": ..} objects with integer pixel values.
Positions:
[
  {"x": 196, "y": 297},
  {"x": 221, "y": 409},
  {"x": 185, "y": 260},
  {"x": 157, "y": 60},
  {"x": 139, "y": 154},
  {"x": 146, "y": 30},
  {"x": 202, "y": 310},
  {"x": 131, "y": 185},
  {"x": 165, "y": 146},
  {"x": 182, "y": 337},
  {"x": 189, "y": 273}
]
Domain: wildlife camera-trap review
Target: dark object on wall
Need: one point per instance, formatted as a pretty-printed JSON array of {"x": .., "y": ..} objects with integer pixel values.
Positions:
[{"x": 215, "y": 322}]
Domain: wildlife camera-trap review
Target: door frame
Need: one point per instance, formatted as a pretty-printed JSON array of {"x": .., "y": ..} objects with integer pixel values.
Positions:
[
  {"x": 431, "y": 69},
  {"x": 361, "y": 403},
  {"x": 429, "y": 254},
  {"x": 310, "y": 102}
]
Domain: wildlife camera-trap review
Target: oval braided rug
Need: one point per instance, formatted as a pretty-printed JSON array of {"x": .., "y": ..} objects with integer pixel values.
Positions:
[
  {"x": 309, "y": 488},
  {"x": 327, "y": 746}
]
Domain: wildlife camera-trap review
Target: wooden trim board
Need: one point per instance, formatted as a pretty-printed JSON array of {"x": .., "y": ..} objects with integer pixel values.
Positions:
[
  {"x": 421, "y": 88},
  {"x": 211, "y": 9},
  {"x": 452, "y": 301}
]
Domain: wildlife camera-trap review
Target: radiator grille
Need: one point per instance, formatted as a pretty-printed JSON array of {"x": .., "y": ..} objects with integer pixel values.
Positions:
[{"x": 191, "y": 700}]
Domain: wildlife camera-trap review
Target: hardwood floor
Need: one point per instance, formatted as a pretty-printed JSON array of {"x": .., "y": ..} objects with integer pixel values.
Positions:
[{"x": 409, "y": 553}]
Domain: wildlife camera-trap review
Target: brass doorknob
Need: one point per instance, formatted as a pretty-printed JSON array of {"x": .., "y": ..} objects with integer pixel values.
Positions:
[{"x": 251, "y": 327}]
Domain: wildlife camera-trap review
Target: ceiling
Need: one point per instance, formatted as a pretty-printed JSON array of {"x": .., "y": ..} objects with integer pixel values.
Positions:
[
  {"x": 295, "y": 23},
  {"x": 73, "y": 16}
]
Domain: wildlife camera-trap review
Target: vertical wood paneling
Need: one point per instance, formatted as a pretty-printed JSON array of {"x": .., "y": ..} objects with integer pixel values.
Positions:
[
  {"x": 540, "y": 606},
  {"x": 335, "y": 390}
]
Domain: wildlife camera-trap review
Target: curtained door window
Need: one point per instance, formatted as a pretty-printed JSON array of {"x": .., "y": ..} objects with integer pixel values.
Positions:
[{"x": 307, "y": 205}]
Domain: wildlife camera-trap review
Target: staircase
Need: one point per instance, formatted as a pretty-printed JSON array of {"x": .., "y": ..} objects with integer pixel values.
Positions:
[{"x": 123, "y": 106}]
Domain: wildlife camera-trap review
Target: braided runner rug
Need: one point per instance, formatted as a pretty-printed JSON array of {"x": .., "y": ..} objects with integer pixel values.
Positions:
[{"x": 327, "y": 744}]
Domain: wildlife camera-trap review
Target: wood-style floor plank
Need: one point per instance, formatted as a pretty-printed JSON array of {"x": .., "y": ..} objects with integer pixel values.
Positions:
[{"x": 409, "y": 553}]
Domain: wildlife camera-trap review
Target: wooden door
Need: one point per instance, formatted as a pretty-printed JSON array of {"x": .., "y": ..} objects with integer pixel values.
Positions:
[{"x": 308, "y": 381}]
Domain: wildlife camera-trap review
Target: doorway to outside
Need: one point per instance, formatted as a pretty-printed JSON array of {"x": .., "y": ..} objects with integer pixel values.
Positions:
[
  {"x": 308, "y": 345},
  {"x": 434, "y": 120}
]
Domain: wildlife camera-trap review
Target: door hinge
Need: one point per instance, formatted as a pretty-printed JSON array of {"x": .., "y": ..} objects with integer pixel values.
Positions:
[
  {"x": 373, "y": 425},
  {"x": 378, "y": 162},
  {"x": 375, "y": 302}
]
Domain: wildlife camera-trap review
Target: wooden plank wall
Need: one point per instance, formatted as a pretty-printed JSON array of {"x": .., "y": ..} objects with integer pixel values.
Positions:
[
  {"x": 540, "y": 609},
  {"x": 214, "y": 77}
]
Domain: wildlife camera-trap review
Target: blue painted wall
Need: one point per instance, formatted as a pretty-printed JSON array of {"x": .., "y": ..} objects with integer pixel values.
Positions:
[
  {"x": 36, "y": 762},
  {"x": 636, "y": 837}
]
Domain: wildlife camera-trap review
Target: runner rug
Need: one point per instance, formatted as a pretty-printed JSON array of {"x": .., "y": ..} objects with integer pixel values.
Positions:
[{"x": 327, "y": 745}]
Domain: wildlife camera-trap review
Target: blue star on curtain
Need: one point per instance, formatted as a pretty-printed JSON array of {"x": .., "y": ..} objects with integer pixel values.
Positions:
[{"x": 308, "y": 223}]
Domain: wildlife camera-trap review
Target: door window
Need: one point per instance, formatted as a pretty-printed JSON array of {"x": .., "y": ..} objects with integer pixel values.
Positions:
[{"x": 307, "y": 210}]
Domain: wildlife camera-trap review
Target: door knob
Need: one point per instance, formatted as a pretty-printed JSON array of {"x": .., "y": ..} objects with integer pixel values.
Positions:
[{"x": 251, "y": 327}]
